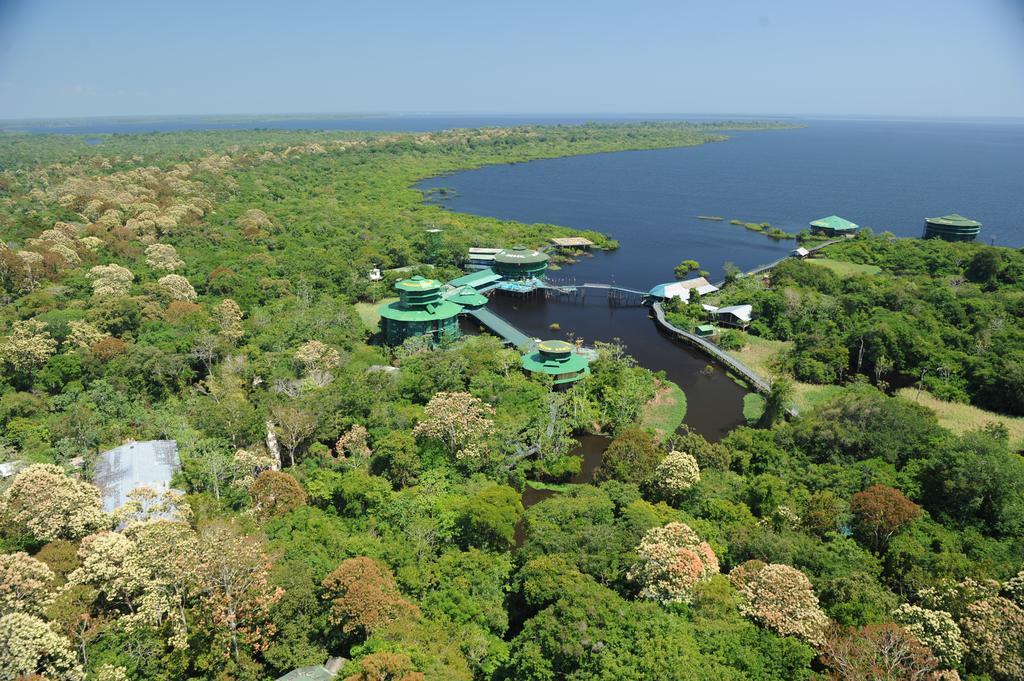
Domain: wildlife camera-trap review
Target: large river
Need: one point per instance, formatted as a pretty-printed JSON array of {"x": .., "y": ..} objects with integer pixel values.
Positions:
[{"x": 885, "y": 175}]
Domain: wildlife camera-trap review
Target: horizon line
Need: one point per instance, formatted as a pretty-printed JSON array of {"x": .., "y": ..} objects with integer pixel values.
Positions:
[{"x": 301, "y": 115}]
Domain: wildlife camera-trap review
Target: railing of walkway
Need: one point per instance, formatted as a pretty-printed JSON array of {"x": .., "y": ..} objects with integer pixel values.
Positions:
[{"x": 759, "y": 383}]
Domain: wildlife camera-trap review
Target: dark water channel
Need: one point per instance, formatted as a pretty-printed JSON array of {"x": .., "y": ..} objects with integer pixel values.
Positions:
[
  {"x": 714, "y": 401},
  {"x": 591, "y": 450}
]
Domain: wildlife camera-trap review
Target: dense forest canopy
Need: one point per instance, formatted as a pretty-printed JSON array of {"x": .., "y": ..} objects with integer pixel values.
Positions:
[
  {"x": 344, "y": 499},
  {"x": 948, "y": 315}
]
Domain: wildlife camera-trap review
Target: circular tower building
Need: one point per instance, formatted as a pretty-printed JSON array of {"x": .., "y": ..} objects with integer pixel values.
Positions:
[
  {"x": 420, "y": 311},
  {"x": 557, "y": 359},
  {"x": 520, "y": 263},
  {"x": 953, "y": 227}
]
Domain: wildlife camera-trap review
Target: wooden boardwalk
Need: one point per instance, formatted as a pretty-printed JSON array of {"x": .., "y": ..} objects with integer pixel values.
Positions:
[
  {"x": 764, "y": 268},
  {"x": 501, "y": 328},
  {"x": 756, "y": 381}
]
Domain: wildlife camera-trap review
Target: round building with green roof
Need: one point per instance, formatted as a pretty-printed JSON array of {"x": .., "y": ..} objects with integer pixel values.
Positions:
[
  {"x": 420, "y": 311},
  {"x": 557, "y": 359},
  {"x": 953, "y": 227},
  {"x": 520, "y": 263}
]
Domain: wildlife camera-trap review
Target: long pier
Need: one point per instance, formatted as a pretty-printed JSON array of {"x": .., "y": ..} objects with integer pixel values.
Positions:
[
  {"x": 764, "y": 268},
  {"x": 619, "y": 295}
]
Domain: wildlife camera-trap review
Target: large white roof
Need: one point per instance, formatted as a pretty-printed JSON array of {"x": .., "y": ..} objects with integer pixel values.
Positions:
[
  {"x": 681, "y": 289},
  {"x": 744, "y": 312},
  {"x": 136, "y": 464}
]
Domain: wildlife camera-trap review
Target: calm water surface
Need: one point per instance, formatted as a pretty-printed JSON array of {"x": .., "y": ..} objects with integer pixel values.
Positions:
[{"x": 884, "y": 175}]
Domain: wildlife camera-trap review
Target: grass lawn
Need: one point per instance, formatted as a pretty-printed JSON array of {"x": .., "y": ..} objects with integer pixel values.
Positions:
[
  {"x": 961, "y": 418},
  {"x": 666, "y": 411},
  {"x": 759, "y": 354},
  {"x": 368, "y": 312},
  {"x": 753, "y": 407},
  {"x": 843, "y": 268}
]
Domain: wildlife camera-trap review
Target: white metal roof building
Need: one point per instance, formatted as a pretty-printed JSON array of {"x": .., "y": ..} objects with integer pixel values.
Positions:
[
  {"x": 137, "y": 464},
  {"x": 736, "y": 315},
  {"x": 681, "y": 289}
]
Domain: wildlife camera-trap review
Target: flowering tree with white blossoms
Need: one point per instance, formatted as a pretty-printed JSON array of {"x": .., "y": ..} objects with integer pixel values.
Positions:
[
  {"x": 28, "y": 346},
  {"x": 24, "y": 584},
  {"x": 780, "y": 597},
  {"x": 110, "y": 280},
  {"x": 84, "y": 335},
  {"x": 29, "y": 647},
  {"x": 163, "y": 257},
  {"x": 671, "y": 560},
  {"x": 318, "y": 359},
  {"x": 229, "y": 317},
  {"x": 935, "y": 629},
  {"x": 177, "y": 287},
  {"x": 354, "y": 442},
  {"x": 676, "y": 473},
  {"x": 51, "y": 505},
  {"x": 459, "y": 421}
]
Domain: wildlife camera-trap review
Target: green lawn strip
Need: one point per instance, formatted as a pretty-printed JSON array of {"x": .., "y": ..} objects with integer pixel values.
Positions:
[
  {"x": 665, "y": 413},
  {"x": 368, "y": 312},
  {"x": 550, "y": 486},
  {"x": 753, "y": 407},
  {"x": 844, "y": 268}
]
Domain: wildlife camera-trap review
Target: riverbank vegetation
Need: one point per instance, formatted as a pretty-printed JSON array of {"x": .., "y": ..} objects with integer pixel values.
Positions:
[
  {"x": 340, "y": 499},
  {"x": 903, "y": 311}
]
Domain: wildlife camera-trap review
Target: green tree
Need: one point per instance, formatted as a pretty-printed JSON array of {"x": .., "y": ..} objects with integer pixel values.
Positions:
[
  {"x": 632, "y": 457},
  {"x": 489, "y": 518},
  {"x": 685, "y": 267}
]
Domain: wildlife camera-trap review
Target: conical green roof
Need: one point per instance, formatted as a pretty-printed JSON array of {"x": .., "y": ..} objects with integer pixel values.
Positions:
[
  {"x": 467, "y": 296},
  {"x": 418, "y": 283},
  {"x": 835, "y": 223}
]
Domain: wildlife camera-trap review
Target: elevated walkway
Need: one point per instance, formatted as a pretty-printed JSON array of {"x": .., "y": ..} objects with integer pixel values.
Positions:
[
  {"x": 755, "y": 380},
  {"x": 501, "y": 328},
  {"x": 613, "y": 287}
]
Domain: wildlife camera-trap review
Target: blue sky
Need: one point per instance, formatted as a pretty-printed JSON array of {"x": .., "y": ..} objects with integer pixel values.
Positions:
[{"x": 882, "y": 57}]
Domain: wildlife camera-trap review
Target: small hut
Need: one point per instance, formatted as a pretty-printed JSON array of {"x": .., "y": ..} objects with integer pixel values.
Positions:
[
  {"x": 572, "y": 242},
  {"x": 682, "y": 289},
  {"x": 739, "y": 316}
]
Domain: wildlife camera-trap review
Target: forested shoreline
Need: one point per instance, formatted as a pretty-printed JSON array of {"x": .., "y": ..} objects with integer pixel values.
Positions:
[{"x": 343, "y": 499}]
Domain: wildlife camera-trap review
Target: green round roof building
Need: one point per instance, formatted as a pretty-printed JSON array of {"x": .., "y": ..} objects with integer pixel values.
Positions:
[
  {"x": 953, "y": 227},
  {"x": 557, "y": 359},
  {"x": 520, "y": 263},
  {"x": 420, "y": 311}
]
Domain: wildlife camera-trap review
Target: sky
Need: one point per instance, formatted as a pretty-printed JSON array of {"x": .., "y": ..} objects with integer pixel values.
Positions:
[{"x": 901, "y": 58}]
